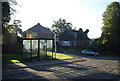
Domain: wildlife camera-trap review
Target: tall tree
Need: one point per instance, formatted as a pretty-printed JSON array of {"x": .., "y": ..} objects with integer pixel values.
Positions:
[
  {"x": 5, "y": 14},
  {"x": 7, "y": 29},
  {"x": 111, "y": 28},
  {"x": 17, "y": 25},
  {"x": 7, "y": 11},
  {"x": 61, "y": 25}
]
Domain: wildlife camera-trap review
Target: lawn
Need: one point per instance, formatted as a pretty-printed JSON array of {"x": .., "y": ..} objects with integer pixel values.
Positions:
[
  {"x": 13, "y": 58},
  {"x": 70, "y": 50},
  {"x": 10, "y": 58},
  {"x": 59, "y": 56}
]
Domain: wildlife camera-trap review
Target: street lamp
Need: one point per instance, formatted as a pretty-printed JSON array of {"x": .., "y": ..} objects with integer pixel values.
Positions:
[{"x": 54, "y": 33}]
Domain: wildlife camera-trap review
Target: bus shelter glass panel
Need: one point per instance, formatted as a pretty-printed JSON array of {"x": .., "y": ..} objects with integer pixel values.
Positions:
[
  {"x": 26, "y": 49},
  {"x": 49, "y": 49},
  {"x": 49, "y": 45},
  {"x": 43, "y": 49},
  {"x": 34, "y": 47}
]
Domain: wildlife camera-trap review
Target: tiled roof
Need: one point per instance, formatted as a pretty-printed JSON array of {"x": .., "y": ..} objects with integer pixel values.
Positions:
[
  {"x": 38, "y": 28},
  {"x": 70, "y": 35}
]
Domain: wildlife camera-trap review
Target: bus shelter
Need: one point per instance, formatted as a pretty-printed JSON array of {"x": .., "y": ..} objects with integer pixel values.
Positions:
[{"x": 38, "y": 48}]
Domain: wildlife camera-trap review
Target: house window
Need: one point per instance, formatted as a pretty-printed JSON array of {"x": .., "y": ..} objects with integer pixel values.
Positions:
[
  {"x": 34, "y": 34},
  {"x": 66, "y": 43},
  {"x": 90, "y": 42}
]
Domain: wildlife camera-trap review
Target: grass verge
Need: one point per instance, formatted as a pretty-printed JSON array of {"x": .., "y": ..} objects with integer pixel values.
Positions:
[
  {"x": 59, "y": 56},
  {"x": 11, "y": 58},
  {"x": 15, "y": 58}
]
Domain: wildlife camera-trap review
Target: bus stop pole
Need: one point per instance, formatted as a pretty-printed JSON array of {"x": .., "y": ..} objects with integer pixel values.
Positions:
[
  {"x": 38, "y": 49},
  {"x": 31, "y": 50}
]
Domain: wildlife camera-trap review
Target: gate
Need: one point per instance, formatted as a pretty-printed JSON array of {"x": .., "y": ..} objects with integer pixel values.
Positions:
[{"x": 40, "y": 49}]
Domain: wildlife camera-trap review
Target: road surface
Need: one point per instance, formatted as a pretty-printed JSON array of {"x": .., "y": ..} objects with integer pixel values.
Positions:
[{"x": 93, "y": 68}]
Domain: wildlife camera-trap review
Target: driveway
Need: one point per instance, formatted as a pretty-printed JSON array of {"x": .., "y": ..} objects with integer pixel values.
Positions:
[{"x": 93, "y": 68}]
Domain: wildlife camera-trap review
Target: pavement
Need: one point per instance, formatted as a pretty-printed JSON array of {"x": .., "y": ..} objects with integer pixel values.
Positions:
[{"x": 40, "y": 63}]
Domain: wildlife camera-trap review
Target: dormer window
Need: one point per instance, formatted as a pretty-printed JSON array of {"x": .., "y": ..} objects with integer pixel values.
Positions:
[{"x": 75, "y": 34}]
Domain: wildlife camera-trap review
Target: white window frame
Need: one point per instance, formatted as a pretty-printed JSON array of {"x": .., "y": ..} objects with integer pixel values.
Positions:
[{"x": 66, "y": 43}]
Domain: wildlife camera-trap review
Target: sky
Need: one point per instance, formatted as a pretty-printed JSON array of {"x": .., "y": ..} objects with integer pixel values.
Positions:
[{"x": 85, "y": 14}]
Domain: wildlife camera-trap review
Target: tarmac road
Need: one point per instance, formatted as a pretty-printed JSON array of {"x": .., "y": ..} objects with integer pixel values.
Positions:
[{"x": 93, "y": 68}]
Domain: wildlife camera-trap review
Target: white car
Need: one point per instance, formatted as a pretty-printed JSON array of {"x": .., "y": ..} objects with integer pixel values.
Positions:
[{"x": 89, "y": 52}]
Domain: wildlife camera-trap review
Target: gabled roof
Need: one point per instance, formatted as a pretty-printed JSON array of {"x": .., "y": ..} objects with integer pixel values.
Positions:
[
  {"x": 38, "y": 28},
  {"x": 70, "y": 35}
]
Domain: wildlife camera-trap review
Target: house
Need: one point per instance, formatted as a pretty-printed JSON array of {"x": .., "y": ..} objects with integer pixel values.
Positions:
[
  {"x": 38, "y": 31},
  {"x": 74, "y": 39}
]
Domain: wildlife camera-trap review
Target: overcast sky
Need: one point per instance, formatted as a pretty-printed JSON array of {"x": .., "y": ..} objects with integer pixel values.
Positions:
[{"x": 85, "y": 14}]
